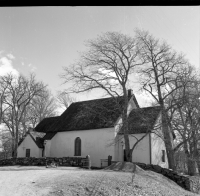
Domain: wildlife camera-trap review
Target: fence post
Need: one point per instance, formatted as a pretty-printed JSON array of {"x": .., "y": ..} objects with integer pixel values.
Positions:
[
  {"x": 109, "y": 160},
  {"x": 88, "y": 161}
]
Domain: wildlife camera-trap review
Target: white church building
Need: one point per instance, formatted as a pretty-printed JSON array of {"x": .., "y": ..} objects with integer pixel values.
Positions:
[{"x": 93, "y": 128}]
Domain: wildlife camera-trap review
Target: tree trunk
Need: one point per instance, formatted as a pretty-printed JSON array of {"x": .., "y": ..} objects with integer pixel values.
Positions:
[
  {"x": 129, "y": 155},
  {"x": 13, "y": 146},
  {"x": 198, "y": 164},
  {"x": 16, "y": 142},
  {"x": 127, "y": 146},
  {"x": 168, "y": 140},
  {"x": 128, "y": 151},
  {"x": 15, "y": 150},
  {"x": 192, "y": 166},
  {"x": 191, "y": 163}
]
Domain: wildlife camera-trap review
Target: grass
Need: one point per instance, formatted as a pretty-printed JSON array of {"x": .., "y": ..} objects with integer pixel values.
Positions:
[{"x": 66, "y": 181}]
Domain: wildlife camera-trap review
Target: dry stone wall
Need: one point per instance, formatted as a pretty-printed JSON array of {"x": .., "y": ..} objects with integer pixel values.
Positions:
[
  {"x": 190, "y": 183},
  {"x": 64, "y": 161}
]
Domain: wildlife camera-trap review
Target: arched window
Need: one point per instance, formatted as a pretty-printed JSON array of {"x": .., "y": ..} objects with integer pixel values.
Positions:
[{"x": 77, "y": 145}]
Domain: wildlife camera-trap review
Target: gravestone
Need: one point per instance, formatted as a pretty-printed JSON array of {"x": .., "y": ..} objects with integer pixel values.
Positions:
[{"x": 88, "y": 161}]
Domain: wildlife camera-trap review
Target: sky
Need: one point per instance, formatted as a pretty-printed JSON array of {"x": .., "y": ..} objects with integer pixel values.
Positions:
[{"x": 43, "y": 40}]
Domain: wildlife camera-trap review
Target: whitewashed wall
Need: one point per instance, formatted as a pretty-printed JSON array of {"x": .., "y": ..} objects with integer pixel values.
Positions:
[
  {"x": 157, "y": 145},
  {"x": 93, "y": 142},
  {"x": 131, "y": 106},
  {"x": 28, "y": 143},
  {"x": 47, "y": 148},
  {"x": 141, "y": 152}
]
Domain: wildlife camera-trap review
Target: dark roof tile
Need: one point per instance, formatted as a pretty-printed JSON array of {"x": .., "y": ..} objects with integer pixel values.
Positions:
[
  {"x": 46, "y": 124},
  {"x": 49, "y": 136},
  {"x": 142, "y": 120},
  {"x": 85, "y": 115},
  {"x": 93, "y": 114},
  {"x": 39, "y": 142}
]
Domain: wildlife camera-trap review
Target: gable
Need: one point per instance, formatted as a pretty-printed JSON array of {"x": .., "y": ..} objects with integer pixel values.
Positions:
[
  {"x": 133, "y": 104},
  {"x": 37, "y": 142},
  {"x": 28, "y": 141}
]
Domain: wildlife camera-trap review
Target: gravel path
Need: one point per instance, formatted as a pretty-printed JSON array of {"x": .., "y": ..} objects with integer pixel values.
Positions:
[{"x": 67, "y": 181}]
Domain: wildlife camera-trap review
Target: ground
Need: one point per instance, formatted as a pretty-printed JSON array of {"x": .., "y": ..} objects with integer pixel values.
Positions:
[{"x": 71, "y": 181}]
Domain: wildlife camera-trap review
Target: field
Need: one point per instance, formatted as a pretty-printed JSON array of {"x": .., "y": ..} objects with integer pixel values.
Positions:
[{"x": 71, "y": 181}]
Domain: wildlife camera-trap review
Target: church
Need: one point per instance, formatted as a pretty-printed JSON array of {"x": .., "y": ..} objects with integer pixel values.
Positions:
[{"x": 92, "y": 128}]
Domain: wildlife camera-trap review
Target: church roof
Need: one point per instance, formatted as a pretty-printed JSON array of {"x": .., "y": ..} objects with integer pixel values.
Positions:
[
  {"x": 96, "y": 114},
  {"x": 93, "y": 114},
  {"x": 46, "y": 124},
  {"x": 39, "y": 142},
  {"x": 85, "y": 115},
  {"x": 49, "y": 136},
  {"x": 142, "y": 120}
]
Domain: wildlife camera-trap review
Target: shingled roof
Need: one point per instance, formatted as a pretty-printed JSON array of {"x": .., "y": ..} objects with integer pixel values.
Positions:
[
  {"x": 39, "y": 142},
  {"x": 96, "y": 114},
  {"x": 49, "y": 136},
  {"x": 92, "y": 114},
  {"x": 46, "y": 125},
  {"x": 142, "y": 120},
  {"x": 85, "y": 115}
]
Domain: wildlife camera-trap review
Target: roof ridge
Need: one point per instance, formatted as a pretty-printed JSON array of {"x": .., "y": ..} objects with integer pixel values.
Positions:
[
  {"x": 32, "y": 137},
  {"x": 96, "y": 99}
]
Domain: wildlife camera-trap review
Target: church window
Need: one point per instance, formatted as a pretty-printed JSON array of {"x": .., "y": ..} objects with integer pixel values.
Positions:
[
  {"x": 77, "y": 147},
  {"x": 28, "y": 151}
]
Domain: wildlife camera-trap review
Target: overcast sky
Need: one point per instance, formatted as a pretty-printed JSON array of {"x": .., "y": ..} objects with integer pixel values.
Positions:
[{"x": 45, "y": 39}]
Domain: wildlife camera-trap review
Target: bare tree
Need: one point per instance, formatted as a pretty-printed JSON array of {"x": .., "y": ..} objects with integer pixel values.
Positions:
[
  {"x": 41, "y": 107},
  {"x": 107, "y": 65},
  {"x": 3, "y": 90},
  {"x": 158, "y": 76},
  {"x": 64, "y": 99},
  {"x": 19, "y": 93},
  {"x": 6, "y": 144},
  {"x": 185, "y": 117}
]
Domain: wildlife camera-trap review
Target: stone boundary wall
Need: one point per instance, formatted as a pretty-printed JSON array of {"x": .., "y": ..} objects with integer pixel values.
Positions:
[
  {"x": 190, "y": 183},
  {"x": 28, "y": 161}
]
